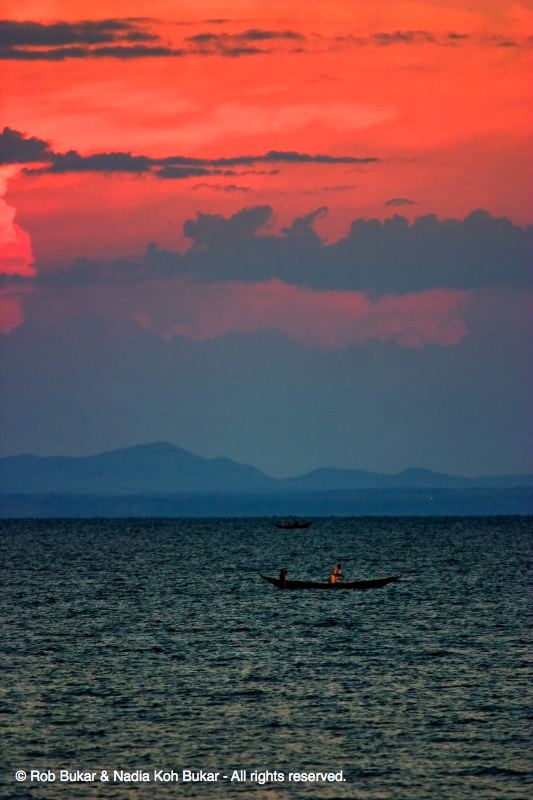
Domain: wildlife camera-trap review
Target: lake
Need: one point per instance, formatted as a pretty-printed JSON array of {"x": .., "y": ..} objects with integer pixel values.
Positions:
[{"x": 136, "y": 648}]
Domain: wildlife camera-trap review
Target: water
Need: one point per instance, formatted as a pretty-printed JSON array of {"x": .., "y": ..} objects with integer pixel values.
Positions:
[{"x": 154, "y": 644}]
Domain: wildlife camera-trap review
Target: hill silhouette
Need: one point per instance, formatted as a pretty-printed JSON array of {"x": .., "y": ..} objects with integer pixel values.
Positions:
[{"x": 162, "y": 468}]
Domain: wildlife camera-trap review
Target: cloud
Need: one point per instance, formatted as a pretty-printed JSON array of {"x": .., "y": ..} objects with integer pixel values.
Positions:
[
  {"x": 393, "y": 256},
  {"x": 213, "y": 229},
  {"x": 301, "y": 230},
  {"x": 125, "y": 39},
  {"x": 244, "y": 43},
  {"x": 17, "y": 148},
  {"x": 110, "y": 51},
  {"x": 403, "y": 37},
  {"x": 258, "y": 35},
  {"x": 454, "y": 37},
  {"x": 417, "y": 38},
  {"x": 499, "y": 41},
  {"x": 180, "y": 173},
  {"x": 11, "y": 306},
  {"x": 271, "y": 157},
  {"x": 56, "y": 34},
  {"x": 131, "y": 38},
  {"x": 330, "y": 319},
  {"x": 304, "y": 158},
  {"x": 399, "y": 201},
  {"x": 57, "y": 41},
  {"x": 379, "y": 258},
  {"x": 16, "y": 255},
  {"x": 341, "y": 187},
  {"x": 99, "y": 162},
  {"x": 184, "y": 167},
  {"x": 229, "y": 188}
]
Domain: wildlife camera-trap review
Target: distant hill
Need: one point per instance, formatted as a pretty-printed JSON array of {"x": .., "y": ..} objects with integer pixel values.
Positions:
[
  {"x": 163, "y": 469},
  {"x": 144, "y": 469},
  {"x": 416, "y": 478}
]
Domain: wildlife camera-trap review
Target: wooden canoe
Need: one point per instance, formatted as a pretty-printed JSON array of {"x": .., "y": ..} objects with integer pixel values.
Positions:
[
  {"x": 293, "y": 525},
  {"x": 376, "y": 583}
]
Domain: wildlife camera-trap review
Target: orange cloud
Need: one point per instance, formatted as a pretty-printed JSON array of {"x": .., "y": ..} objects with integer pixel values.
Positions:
[
  {"x": 11, "y": 311},
  {"x": 330, "y": 319},
  {"x": 16, "y": 256}
]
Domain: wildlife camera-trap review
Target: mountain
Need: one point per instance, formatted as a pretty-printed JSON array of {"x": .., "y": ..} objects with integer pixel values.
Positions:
[
  {"x": 158, "y": 468},
  {"x": 161, "y": 468},
  {"x": 415, "y": 478}
]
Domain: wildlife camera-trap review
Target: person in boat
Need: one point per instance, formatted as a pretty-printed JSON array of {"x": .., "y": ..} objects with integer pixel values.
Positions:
[
  {"x": 336, "y": 574},
  {"x": 282, "y": 578}
]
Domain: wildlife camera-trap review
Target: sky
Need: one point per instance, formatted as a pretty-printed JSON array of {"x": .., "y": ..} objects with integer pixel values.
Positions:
[{"x": 293, "y": 234}]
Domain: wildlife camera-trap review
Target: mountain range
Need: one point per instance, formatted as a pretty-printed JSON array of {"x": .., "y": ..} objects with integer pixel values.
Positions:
[{"x": 161, "y": 468}]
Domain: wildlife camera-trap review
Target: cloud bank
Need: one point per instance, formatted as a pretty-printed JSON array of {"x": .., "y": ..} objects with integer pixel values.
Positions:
[
  {"x": 19, "y": 148},
  {"x": 134, "y": 38},
  {"x": 410, "y": 284}
]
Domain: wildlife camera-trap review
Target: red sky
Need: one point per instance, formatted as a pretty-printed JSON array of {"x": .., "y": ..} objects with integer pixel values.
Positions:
[
  {"x": 243, "y": 138},
  {"x": 447, "y": 117}
]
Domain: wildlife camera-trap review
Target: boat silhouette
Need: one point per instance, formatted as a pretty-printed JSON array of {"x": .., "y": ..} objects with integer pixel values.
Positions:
[
  {"x": 375, "y": 583},
  {"x": 293, "y": 524}
]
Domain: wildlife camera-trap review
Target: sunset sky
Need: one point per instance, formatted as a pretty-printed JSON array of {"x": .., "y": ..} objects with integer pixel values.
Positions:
[{"x": 295, "y": 234}]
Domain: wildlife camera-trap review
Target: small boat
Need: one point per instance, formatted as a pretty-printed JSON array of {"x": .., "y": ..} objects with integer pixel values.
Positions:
[
  {"x": 293, "y": 524},
  {"x": 377, "y": 583}
]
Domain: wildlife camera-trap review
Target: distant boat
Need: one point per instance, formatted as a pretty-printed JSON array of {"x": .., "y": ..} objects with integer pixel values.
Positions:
[
  {"x": 377, "y": 583},
  {"x": 293, "y": 524}
]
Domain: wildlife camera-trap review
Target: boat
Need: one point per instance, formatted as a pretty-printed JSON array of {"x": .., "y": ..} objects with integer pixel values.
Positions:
[
  {"x": 293, "y": 524},
  {"x": 376, "y": 583}
]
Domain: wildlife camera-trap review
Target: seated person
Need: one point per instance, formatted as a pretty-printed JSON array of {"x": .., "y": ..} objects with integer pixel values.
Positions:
[{"x": 336, "y": 574}]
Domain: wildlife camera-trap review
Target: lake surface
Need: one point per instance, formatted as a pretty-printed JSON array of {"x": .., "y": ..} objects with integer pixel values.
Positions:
[{"x": 154, "y": 645}]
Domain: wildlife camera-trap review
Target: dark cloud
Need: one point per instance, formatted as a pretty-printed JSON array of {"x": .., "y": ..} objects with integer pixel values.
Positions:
[
  {"x": 131, "y": 38},
  {"x": 99, "y": 162},
  {"x": 213, "y": 229},
  {"x": 258, "y": 172},
  {"x": 252, "y": 35},
  {"x": 57, "y": 34},
  {"x": 255, "y": 34},
  {"x": 233, "y": 52},
  {"x": 403, "y": 37},
  {"x": 123, "y": 39},
  {"x": 400, "y": 201},
  {"x": 341, "y": 187},
  {"x": 230, "y": 188},
  {"x": 180, "y": 173},
  {"x": 153, "y": 263},
  {"x": 241, "y": 44},
  {"x": 304, "y": 158},
  {"x": 62, "y": 53},
  {"x": 377, "y": 257},
  {"x": 500, "y": 41},
  {"x": 422, "y": 37},
  {"x": 16, "y": 148},
  {"x": 396, "y": 256},
  {"x": 57, "y": 41},
  {"x": 457, "y": 37},
  {"x": 292, "y": 157},
  {"x": 301, "y": 231},
  {"x": 386, "y": 38},
  {"x": 206, "y": 39}
]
